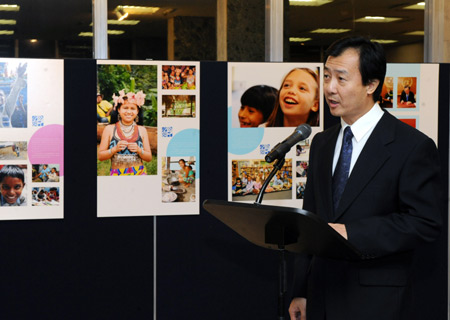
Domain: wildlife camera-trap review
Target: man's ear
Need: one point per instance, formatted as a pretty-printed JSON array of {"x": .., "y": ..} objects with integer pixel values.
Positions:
[{"x": 372, "y": 86}]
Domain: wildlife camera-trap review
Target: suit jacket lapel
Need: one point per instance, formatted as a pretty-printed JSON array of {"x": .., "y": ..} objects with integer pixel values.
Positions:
[
  {"x": 371, "y": 159},
  {"x": 325, "y": 163}
]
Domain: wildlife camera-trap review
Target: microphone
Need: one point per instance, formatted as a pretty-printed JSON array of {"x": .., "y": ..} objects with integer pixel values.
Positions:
[{"x": 301, "y": 133}]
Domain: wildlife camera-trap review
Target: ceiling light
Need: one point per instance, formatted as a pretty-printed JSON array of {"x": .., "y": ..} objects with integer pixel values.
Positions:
[
  {"x": 110, "y": 32},
  {"x": 86, "y": 34},
  {"x": 116, "y": 32},
  {"x": 377, "y": 19},
  {"x": 33, "y": 40},
  {"x": 417, "y": 6},
  {"x": 139, "y": 10},
  {"x": 293, "y": 39},
  {"x": 8, "y": 21},
  {"x": 6, "y": 32},
  {"x": 124, "y": 22},
  {"x": 9, "y": 7},
  {"x": 415, "y": 33},
  {"x": 121, "y": 23},
  {"x": 324, "y": 30},
  {"x": 120, "y": 13},
  {"x": 309, "y": 3},
  {"x": 382, "y": 41}
]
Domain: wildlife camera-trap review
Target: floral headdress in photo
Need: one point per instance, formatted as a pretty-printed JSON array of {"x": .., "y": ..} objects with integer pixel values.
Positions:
[{"x": 137, "y": 98}]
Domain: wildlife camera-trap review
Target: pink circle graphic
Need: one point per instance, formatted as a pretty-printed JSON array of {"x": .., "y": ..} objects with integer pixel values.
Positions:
[{"x": 46, "y": 146}]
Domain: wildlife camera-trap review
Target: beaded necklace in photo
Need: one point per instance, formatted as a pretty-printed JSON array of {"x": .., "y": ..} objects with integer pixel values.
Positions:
[{"x": 127, "y": 133}]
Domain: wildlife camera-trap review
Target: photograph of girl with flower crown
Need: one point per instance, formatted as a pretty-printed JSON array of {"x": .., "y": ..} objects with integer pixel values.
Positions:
[{"x": 126, "y": 120}]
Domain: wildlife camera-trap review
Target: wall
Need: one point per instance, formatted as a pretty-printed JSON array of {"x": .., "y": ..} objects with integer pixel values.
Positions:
[{"x": 412, "y": 53}]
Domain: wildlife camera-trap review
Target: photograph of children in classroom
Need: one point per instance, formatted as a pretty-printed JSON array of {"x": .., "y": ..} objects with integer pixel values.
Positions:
[
  {"x": 12, "y": 185},
  {"x": 45, "y": 172},
  {"x": 178, "y": 106},
  {"x": 178, "y": 179},
  {"x": 178, "y": 77},
  {"x": 45, "y": 196},
  {"x": 248, "y": 177}
]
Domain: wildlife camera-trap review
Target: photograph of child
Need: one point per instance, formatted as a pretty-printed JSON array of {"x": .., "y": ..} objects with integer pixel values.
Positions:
[
  {"x": 302, "y": 169},
  {"x": 12, "y": 185},
  {"x": 298, "y": 100},
  {"x": 178, "y": 179},
  {"x": 257, "y": 104},
  {"x": 45, "y": 173},
  {"x": 13, "y": 150},
  {"x": 127, "y": 132},
  {"x": 45, "y": 196},
  {"x": 302, "y": 149},
  {"x": 178, "y": 77},
  {"x": 13, "y": 95},
  {"x": 300, "y": 190},
  {"x": 256, "y": 101}
]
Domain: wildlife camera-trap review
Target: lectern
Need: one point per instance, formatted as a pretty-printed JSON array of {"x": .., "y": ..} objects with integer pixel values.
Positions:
[{"x": 282, "y": 228}]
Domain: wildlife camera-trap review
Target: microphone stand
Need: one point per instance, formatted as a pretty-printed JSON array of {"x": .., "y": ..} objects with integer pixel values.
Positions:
[
  {"x": 282, "y": 273},
  {"x": 276, "y": 167}
]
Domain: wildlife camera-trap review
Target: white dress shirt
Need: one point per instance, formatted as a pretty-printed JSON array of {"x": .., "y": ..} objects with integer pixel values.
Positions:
[{"x": 362, "y": 129}]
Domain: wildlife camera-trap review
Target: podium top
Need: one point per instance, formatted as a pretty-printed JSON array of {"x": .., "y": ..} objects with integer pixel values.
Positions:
[{"x": 275, "y": 227}]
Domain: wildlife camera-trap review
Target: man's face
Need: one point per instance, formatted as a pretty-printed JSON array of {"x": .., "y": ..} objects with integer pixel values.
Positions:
[
  {"x": 406, "y": 90},
  {"x": 344, "y": 91}
]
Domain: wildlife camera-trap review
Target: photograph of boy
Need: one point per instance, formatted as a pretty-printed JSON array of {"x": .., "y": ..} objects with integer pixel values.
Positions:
[{"x": 12, "y": 186}]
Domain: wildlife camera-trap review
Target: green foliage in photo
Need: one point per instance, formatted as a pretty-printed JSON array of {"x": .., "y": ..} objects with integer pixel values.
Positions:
[{"x": 112, "y": 78}]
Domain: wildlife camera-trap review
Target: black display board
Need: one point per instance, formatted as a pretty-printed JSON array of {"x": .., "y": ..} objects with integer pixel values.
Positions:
[
  {"x": 205, "y": 270},
  {"x": 83, "y": 267}
]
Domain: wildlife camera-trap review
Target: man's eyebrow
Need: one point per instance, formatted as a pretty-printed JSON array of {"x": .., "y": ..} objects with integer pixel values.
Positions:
[{"x": 340, "y": 71}]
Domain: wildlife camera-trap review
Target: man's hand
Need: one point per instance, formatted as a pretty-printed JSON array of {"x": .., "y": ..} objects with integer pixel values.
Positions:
[
  {"x": 297, "y": 309},
  {"x": 340, "y": 228}
]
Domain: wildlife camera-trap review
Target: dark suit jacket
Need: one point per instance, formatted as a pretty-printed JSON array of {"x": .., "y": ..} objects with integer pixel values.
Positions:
[
  {"x": 390, "y": 205},
  {"x": 410, "y": 97}
]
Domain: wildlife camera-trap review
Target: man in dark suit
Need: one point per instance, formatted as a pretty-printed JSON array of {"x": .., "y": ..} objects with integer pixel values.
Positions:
[
  {"x": 378, "y": 187},
  {"x": 407, "y": 96}
]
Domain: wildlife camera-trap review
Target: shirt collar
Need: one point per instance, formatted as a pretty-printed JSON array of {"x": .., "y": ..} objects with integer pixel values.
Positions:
[{"x": 364, "y": 124}]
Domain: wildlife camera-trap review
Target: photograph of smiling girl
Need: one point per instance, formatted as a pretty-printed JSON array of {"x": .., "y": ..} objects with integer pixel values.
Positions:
[
  {"x": 298, "y": 100},
  {"x": 127, "y": 144},
  {"x": 257, "y": 102}
]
